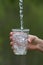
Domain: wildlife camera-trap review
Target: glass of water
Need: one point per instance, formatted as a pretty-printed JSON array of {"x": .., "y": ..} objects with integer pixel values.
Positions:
[{"x": 20, "y": 41}]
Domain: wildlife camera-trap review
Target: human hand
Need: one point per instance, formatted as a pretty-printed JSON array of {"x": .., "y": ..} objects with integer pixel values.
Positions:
[{"x": 34, "y": 43}]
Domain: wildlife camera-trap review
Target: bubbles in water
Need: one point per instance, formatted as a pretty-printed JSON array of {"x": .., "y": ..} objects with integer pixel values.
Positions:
[{"x": 20, "y": 43}]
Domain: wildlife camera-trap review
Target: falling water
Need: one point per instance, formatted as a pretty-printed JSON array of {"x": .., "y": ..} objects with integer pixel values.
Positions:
[
  {"x": 23, "y": 59},
  {"x": 21, "y": 12}
]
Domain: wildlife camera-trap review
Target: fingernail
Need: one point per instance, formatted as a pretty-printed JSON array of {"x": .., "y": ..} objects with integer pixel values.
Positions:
[{"x": 29, "y": 40}]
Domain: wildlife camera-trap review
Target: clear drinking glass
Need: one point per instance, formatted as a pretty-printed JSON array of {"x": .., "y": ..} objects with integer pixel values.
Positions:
[{"x": 20, "y": 41}]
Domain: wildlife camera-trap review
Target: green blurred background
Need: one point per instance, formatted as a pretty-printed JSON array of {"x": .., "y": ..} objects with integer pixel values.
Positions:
[{"x": 9, "y": 18}]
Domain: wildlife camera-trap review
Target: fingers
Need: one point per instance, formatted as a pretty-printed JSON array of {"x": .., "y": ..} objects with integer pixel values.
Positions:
[
  {"x": 11, "y": 43},
  {"x": 11, "y": 36},
  {"x": 11, "y": 33},
  {"x": 11, "y": 39}
]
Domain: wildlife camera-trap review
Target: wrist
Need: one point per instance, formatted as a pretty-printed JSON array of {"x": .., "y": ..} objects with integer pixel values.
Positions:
[{"x": 39, "y": 43}]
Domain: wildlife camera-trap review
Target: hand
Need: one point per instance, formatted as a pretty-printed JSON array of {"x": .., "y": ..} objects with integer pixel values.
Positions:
[{"x": 34, "y": 43}]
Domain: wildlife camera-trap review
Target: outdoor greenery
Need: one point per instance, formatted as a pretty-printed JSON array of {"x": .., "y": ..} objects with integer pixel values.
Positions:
[{"x": 9, "y": 18}]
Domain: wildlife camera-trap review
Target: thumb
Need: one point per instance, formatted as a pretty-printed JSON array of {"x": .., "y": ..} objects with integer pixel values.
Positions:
[{"x": 31, "y": 38}]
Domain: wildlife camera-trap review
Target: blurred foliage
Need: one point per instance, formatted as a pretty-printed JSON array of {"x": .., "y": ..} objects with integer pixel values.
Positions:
[{"x": 9, "y": 18}]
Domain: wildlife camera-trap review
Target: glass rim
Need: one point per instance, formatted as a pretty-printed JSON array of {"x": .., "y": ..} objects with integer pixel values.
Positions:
[{"x": 20, "y": 30}]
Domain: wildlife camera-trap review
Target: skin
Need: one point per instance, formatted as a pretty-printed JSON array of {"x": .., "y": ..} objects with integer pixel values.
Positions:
[{"x": 34, "y": 43}]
